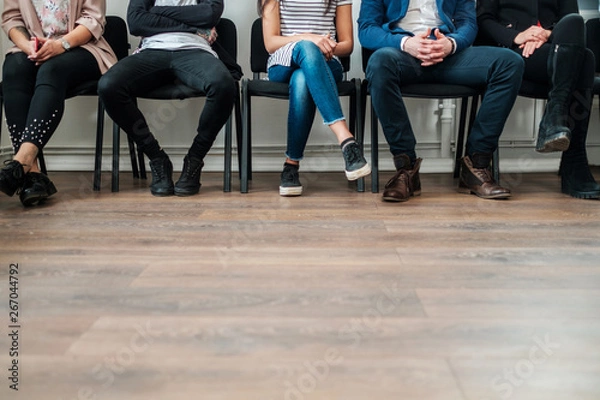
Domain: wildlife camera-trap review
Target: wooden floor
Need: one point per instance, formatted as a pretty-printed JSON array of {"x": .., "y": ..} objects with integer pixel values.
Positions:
[{"x": 334, "y": 295}]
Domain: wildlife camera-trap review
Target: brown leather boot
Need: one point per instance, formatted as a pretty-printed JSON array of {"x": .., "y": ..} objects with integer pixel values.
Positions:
[
  {"x": 405, "y": 182},
  {"x": 479, "y": 181}
]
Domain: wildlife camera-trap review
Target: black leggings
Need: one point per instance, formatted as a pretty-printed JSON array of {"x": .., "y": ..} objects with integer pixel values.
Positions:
[
  {"x": 34, "y": 97},
  {"x": 569, "y": 30}
]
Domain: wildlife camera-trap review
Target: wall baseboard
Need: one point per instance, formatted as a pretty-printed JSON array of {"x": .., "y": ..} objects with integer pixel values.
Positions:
[{"x": 327, "y": 158}]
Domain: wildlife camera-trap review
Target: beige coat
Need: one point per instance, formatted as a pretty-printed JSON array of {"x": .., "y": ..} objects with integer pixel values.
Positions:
[{"x": 89, "y": 13}]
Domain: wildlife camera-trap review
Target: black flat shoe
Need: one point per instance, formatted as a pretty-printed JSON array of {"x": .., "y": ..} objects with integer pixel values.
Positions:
[
  {"x": 37, "y": 188},
  {"x": 12, "y": 177}
]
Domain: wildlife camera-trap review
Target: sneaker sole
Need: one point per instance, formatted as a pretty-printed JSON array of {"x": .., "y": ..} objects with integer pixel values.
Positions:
[
  {"x": 290, "y": 191},
  {"x": 560, "y": 144},
  {"x": 359, "y": 173}
]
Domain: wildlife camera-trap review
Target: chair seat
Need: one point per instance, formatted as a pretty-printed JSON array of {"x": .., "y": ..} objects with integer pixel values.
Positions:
[
  {"x": 438, "y": 91},
  {"x": 85, "y": 89},
  {"x": 597, "y": 85},
  {"x": 278, "y": 90},
  {"x": 533, "y": 90}
]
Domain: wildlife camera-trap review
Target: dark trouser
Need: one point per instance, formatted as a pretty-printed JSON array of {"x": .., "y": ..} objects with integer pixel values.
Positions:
[
  {"x": 34, "y": 97},
  {"x": 500, "y": 70},
  {"x": 569, "y": 30},
  {"x": 137, "y": 74}
]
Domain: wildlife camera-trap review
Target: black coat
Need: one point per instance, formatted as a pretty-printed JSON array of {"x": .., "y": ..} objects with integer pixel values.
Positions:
[{"x": 500, "y": 21}]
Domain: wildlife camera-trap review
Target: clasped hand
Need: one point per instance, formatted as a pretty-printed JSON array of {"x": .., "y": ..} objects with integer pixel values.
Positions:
[
  {"x": 532, "y": 39},
  {"x": 47, "y": 48},
  {"x": 428, "y": 51},
  {"x": 325, "y": 43}
]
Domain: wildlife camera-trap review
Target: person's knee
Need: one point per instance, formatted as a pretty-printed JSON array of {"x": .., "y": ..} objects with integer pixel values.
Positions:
[
  {"x": 108, "y": 85},
  {"x": 222, "y": 88},
  {"x": 308, "y": 52},
  {"x": 381, "y": 64},
  {"x": 298, "y": 86},
  {"x": 573, "y": 19},
  {"x": 15, "y": 66},
  {"x": 51, "y": 74},
  {"x": 510, "y": 61}
]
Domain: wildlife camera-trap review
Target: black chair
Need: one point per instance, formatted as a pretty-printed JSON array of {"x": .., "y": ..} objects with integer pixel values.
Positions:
[
  {"x": 424, "y": 91},
  {"x": 258, "y": 87},
  {"x": 115, "y": 33},
  {"x": 228, "y": 39}
]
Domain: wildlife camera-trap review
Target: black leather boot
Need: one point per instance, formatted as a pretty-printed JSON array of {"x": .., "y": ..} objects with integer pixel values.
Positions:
[
  {"x": 162, "y": 177},
  {"x": 576, "y": 178},
  {"x": 188, "y": 183},
  {"x": 563, "y": 63}
]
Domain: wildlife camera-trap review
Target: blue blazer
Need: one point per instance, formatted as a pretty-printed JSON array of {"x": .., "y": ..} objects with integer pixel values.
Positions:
[{"x": 378, "y": 22}]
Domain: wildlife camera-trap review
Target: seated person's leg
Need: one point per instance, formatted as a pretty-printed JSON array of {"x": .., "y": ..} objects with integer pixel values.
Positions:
[
  {"x": 118, "y": 89},
  {"x": 202, "y": 71}
]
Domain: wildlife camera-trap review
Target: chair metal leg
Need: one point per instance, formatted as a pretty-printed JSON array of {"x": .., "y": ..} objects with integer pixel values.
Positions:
[
  {"x": 245, "y": 137},
  {"x": 460, "y": 140},
  {"x": 141, "y": 163},
  {"x": 227, "y": 167},
  {"x": 238, "y": 126},
  {"x": 496, "y": 165},
  {"x": 42, "y": 162},
  {"x": 356, "y": 124},
  {"x": 115, "y": 158},
  {"x": 99, "y": 143},
  {"x": 132, "y": 156},
  {"x": 460, "y": 145},
  {"x": 374, "y": 151}
]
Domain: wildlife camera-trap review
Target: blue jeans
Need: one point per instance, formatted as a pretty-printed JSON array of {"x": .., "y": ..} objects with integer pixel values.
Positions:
[
  {"x": 497, "y": 69},
  {"x": 139, "y": 73},
  {"x": 312, "y": 81}
]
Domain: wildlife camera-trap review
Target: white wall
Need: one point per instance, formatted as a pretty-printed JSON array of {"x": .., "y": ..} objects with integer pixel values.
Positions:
[{"x": 174, "y": 124}]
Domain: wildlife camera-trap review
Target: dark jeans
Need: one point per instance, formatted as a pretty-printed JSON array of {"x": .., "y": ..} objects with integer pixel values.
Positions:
[
  {"x": 499, "y": 70},
  {"x": 34, "y": 97},
  {"x": 135, "y": 75}
]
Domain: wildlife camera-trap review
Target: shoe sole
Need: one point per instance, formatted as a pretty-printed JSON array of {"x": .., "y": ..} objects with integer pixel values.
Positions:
[
  {"x": 589, "y": 195},
  {"x": 34, "y": 199},
  {"x": 162, "y": 194},
  {"x": 185, "y": 193},
  {"x": 290, "y": 191},
  {"x": 490, "y": 197},
  {"x": 359, "y": 173},
  {"x": 559, "y": 144},
  {"x": 397, "y": 200}
]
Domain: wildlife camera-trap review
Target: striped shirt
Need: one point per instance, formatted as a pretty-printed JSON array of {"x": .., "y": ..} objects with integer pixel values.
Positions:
[{"x": 304, "y": 16}]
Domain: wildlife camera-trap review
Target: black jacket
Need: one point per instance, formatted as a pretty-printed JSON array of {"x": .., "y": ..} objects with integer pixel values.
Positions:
[
  {"x": 145, "y": 19},
  {"x": 500, "y": 21}
]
